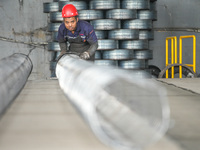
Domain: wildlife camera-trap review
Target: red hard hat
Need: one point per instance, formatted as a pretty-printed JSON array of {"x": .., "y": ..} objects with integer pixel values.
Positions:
[{"x": 69, "y": 10}]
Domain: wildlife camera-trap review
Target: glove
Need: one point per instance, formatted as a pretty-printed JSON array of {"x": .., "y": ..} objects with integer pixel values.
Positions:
[{"x": 85, "y": 55}]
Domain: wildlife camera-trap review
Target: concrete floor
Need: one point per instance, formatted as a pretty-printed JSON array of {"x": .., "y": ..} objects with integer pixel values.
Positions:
[{"x": 41, "y": 118}]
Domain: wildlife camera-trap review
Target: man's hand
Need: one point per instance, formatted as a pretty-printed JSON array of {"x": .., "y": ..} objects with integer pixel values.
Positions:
[{"x": 85, "y": 55}]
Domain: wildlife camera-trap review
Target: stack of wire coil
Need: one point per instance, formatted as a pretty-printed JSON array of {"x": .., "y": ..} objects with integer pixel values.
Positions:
[{"x": 123, "y": 28}]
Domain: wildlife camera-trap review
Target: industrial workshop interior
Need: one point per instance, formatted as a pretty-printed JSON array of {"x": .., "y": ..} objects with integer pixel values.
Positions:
[{"x": 137, "y": 90}]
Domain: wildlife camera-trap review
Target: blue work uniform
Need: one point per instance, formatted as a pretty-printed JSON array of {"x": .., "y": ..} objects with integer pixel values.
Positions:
[{"x": 83, "y": 39}]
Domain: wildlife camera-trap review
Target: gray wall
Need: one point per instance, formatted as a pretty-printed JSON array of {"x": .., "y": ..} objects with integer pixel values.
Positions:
[
  {"x": 23, "y": 26},
  {"x": 176, "y": 18}
]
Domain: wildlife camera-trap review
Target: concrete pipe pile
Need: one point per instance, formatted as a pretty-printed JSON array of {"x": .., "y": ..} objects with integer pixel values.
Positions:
[
  {"x": 15, "y": 71},
  {"x": 123, "y": 112},
  {"x": 123, "y": 34},
  {"x": 118, "y": 54}
]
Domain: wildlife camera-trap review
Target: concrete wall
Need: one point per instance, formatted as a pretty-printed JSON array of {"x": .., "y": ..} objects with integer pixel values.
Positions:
[
  {"x": 23, "y": 26},
  {"x": 176, "y": 18}
]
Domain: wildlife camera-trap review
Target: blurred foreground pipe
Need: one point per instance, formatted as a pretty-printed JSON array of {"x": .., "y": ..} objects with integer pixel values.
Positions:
[
  {"x": 14, "y": 72},
  {"x": 123, "y": 111}
]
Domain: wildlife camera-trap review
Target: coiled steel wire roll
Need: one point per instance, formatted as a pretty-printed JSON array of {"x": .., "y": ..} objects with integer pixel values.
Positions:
[
  {"x": 153, "y": 6},
  {"x": 134, "y": 44},
  {"x": 80, "y": 5},
  {"x": 147, "y": 14},
  {"x": 53, "y": 65},
  {"x": 143, "y": 54},
  {"x": 54, "y": 36},
  {"x": 60, "y": 0},
  {"x": 15, "y": 71},
  {"x": 53, "y": 27},
  {"x": 50, "y": 7},
  {"x": 146, "y": 34},
  {"x": 90, "y": 14},
  {"x": 104, "y": 4},
  {"x": 107, "y": 44},
  {"x": 121, "y": 14},
  {"x": 137, "y": 24},
  {"x": 97, "y": 55},
  {"x": 53, "y": 46},
  {"x": 54, "y": 55},
  {"x": 56, "y": 17},
  {"x": 118, "y": 54},
  {"x": 106, "y": 24},
  {"x": 101, "y": 34},
  {"x": 132, "y": 64},
  {"x": 123, "y": 34},
  {"x": 106, "y": 63},
  {"x": 135, "y": 4}
]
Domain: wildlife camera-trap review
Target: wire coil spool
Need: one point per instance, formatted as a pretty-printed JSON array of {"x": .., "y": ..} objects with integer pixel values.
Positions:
[
  {"x": 132, "y": 64},
  {"x": 104, "y": 4},
  {"x": 147, "y": 14},
  {"x": 80, "y": 5},
  {"x": 90, "y": 14},
  {"x": 50, "y": 7},
  {"x": 56, "y": 17},
  {"x": 123, "y": 34},
  {"x": 54, "y": 55},
  {"x": 53, "y": 27},
  {"x": 135, "y": 4},
  {"x": 53, "y": 46},
  {"x": 106, "y": 63},
  {"x": 107, "y": 44},
  {"x": 121, "y": 14},
  {"x": 97, "y": 55},
  {"x": 118, "y": 54},
  {"x": 53, "y": 65},
  {"x": 146, "y": 34},
  {"x": 101, "y": 34},
  {"x": 134, "y": 44},
  {"x": 143, "y": 54},
  {"x": 153, "y": 6},
  {"x": 54, "y": 36},
  {"x": 137, "y": 24},
  {"x": 106, "y": 24}
]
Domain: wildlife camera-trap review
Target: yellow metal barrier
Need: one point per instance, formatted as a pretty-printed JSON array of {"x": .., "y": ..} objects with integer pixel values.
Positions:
[
  {"x": 181, "y": 50},
  {"x": 173, "y": 54}
]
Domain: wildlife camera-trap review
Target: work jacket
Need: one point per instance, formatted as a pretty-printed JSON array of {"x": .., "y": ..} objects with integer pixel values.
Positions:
[{"x": 83, "y": 39}]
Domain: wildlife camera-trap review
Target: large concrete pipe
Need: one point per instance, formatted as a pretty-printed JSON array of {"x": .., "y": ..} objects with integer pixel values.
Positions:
[
  {"x": 14, "y": 72},
  {"x": 123, "y": 111}
]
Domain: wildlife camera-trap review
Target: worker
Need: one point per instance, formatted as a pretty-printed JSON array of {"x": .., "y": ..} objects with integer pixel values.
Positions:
[{"x": 76, "y": 36}]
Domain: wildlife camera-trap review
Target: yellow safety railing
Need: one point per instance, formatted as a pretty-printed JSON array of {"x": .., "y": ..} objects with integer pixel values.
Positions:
[
  {"x": 173, "y": 51},
  {"x": 174, "y": 56},
  {"x": 181, "y": 51}
]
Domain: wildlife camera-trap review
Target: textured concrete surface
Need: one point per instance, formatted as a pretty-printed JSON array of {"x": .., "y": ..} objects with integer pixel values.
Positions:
[{"x": 41, "y": 118}]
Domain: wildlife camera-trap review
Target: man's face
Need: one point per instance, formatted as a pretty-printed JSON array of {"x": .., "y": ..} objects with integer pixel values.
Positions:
[{"x": 71, "y": 23}]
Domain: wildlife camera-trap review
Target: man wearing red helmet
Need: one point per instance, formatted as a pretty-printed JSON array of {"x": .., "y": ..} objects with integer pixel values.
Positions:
[{"x": 79, "y": 34}]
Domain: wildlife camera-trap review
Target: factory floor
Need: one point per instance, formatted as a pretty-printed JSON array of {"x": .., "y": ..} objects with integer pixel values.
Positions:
[{"x": 41, "y": 118}]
